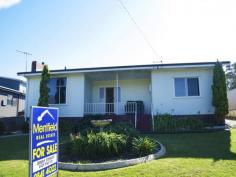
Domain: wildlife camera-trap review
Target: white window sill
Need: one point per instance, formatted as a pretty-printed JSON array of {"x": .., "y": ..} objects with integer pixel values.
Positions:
[
  {"x": 188, "y": 97},
  {"x": 64, "y": 104}
]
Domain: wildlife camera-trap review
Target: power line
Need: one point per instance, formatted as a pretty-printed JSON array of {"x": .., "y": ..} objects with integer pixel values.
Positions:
[{"x": 139, "y": 29}]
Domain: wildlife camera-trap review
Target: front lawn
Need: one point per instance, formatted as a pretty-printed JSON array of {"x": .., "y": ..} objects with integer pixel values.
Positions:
[{"x": 196, "y": 154}]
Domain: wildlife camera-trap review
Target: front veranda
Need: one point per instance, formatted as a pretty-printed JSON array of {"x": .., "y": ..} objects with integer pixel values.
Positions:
[{"x": 121, "y": 94}]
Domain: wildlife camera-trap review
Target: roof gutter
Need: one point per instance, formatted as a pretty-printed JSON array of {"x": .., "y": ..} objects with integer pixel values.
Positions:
[{"x": 125, "y": 68}]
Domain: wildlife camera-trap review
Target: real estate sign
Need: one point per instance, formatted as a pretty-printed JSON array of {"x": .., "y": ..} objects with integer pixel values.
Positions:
[{"x": 43, "y": 141}]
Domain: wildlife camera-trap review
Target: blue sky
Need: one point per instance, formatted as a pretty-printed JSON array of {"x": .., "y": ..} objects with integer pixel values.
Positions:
[{"x": 90, "y": 33}]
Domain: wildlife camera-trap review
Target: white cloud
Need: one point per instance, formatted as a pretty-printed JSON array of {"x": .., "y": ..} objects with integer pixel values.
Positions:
[{"x": 8, "y": 3}]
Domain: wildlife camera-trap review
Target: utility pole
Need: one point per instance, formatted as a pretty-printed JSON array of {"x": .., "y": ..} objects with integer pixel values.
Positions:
[{"x": 26, "y": 57}]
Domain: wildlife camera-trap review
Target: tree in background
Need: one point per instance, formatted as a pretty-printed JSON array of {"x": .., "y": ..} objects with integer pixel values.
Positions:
[
  {"x": 219, "y": 91},
  {"x": 231, "y": 76},
  {"x": 44, "y": 97}
]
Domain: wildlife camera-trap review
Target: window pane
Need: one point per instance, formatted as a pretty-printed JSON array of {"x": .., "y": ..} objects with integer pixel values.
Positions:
[
  {"x": 101, "y": 93},
  {"x": 179, "y": 87},
  {"x": 193, "y": 87},
  {"x": 52, "y": 90},
  {"x": 57, "y": 90},
  {"x": 63, "y": 95}
]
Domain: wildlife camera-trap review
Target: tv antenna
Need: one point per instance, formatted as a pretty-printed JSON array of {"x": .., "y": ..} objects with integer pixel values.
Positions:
[{"x": 26, "y": 57}]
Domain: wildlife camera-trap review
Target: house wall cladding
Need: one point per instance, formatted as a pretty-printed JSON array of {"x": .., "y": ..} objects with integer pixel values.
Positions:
[
  {"x": 163, "y": 97},
  {"x": 74, "y": 105},
  {"x": 161, "y": 94},
  {"x": 232, "y": 99},
  {"x": 10, "y": 110}
]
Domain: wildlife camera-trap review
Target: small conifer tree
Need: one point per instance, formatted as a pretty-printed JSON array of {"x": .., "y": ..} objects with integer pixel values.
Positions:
[
  {"x": 44, "y": 97},
  {"x": 219, "y": 91}
]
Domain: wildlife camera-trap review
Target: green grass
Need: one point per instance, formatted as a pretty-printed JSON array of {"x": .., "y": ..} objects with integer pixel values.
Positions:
[{"x": 196, "y": 154}]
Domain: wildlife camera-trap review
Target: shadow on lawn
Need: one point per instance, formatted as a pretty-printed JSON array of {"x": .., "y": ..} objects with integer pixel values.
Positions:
[
  {"x": 215, "y": 145},
  {"x": 14, "y": 148}
]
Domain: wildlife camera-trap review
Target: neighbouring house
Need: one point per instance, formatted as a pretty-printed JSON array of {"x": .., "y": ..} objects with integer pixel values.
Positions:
[
  {"x": 12, "y": 102},
  {"x": 177, "y": 89},
  {"x": 232, "y": 99}
]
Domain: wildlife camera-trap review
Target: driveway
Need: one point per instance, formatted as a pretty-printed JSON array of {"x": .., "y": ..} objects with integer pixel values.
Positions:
[{"x": 231, "y": 123}]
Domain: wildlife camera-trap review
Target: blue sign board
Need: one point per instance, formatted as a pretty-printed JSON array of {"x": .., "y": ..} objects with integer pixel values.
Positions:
[{"x": 43, "y": 141}]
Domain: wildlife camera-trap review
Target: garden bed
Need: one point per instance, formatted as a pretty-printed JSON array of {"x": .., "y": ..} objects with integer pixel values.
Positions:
[
  {"x": 76, "y": 160},
  {"x": 105, "y": 164}
]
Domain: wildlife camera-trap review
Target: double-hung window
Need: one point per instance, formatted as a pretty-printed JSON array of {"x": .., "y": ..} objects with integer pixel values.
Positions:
[
  {"x": 186, "y": 87},
  {"x": 57, "y": 91}
]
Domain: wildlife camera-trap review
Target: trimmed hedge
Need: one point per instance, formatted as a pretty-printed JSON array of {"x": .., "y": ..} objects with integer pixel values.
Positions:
[{"x": 166, "y": 123}]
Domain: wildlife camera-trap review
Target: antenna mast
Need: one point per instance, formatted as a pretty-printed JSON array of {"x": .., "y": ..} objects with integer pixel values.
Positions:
[{"x": 26, "y": 57}]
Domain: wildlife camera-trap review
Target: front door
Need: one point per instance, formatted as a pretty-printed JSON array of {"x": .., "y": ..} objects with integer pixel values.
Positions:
[{"x": 110, "y": 100}]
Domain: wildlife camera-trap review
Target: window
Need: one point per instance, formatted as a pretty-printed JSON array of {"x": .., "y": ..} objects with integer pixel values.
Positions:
[
  {"x": 57, "y": 90},
  {"x": 186, "y": 87},
  {"x": 193, "y": 87},
  {"x": 101, "y": 94},
  {"x": 10, "y": 100}
]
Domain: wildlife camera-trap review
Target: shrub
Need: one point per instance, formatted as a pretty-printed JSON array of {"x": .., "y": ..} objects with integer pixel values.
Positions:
[
  {"x": 106, "y": 144},
  {"x": 25, "y": 127},
  {"x": 143, "y": 146},
  {"x": 66, "y": 127},
  {"x": 96, "y": 145},
  {"x": 2, "y": 128},
  {"x": 219, "y": 93},
  {"x": 43, "y": 89},
  {"x": 125, "y": 128},
  {"x": 167, "y": 123},
  {"x": 78, "y": 146}
]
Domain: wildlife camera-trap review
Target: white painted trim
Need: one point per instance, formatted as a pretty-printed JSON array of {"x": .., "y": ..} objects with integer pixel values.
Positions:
[
  {"x": 61, "y": 104},
  {"x": 121, "y": 69},
  {"x": 186, "y": 87}
]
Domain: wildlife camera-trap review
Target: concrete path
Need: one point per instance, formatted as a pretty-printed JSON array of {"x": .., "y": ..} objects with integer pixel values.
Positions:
[{"x": 231, "y": 123}]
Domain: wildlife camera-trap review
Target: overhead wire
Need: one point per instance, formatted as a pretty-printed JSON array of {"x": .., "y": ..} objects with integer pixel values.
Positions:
[{"x": 139, "y": 30}]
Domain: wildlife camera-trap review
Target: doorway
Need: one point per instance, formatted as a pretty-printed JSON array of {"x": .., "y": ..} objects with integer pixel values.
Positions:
[{"x": 110, "y": 100}]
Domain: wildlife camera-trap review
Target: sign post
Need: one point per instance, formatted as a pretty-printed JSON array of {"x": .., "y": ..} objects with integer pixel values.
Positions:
[{"x": 43, "y": 150}]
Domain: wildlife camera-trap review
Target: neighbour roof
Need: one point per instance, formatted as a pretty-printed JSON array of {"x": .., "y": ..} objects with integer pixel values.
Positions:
[
  {"x": 11, "y": 90},
  {"x": 14, "y": 79},
  {"x": 127, "y": 67}
]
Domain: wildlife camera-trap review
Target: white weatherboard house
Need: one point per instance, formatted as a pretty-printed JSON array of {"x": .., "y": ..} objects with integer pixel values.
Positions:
[{"x": 177, "y": 89}]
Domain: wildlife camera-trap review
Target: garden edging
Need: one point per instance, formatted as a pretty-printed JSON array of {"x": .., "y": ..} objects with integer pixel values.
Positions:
[{"x": 112, "y": 165}]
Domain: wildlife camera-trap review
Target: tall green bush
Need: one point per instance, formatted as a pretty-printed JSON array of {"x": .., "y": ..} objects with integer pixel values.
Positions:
[
  {"x": 219, "y": 92},
  {"x": 44, "y": 97}
]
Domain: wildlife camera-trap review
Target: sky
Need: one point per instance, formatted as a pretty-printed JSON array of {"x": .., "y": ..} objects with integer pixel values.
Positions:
[{"x": 92, "y": 33}]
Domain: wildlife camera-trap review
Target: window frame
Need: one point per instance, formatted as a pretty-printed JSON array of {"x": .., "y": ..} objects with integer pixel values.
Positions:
[
  {"x": 60, "y": 77},
  {"x": 104, "y": 99},
  {"x": 186, "y": 87}
]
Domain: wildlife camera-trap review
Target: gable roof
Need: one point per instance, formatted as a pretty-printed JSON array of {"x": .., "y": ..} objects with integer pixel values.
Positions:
[{"x": 127, "y": 67}]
